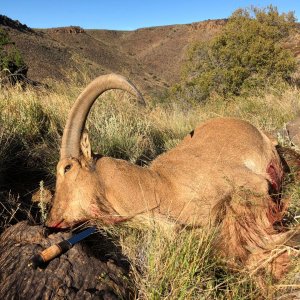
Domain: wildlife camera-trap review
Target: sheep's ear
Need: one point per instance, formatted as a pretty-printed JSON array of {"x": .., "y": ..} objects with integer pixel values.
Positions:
[{"x": 85, "y": 146}]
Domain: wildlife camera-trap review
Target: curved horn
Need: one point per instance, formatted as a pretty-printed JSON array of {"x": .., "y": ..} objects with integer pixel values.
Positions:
[{"x": 76, "y": 121}]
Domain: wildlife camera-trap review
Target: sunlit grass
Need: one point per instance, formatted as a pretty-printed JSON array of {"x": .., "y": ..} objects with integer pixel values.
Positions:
[{"x": 166, "y": 263}]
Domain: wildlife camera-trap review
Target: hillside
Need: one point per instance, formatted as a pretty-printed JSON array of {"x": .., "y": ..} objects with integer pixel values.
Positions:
[
  {"x": 149, "y": 56},
  {"x": 160, "y": 50}
]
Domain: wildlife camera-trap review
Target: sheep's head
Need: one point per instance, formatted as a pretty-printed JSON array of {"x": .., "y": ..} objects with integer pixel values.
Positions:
[
  {"x": 76, "y": 190},
  {"x": 79, "y": 191},
  {"x": 72, "y": 197}
]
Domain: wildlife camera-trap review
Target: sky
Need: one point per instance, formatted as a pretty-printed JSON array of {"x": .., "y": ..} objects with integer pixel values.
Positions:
[{"x": 127, "y": 15}]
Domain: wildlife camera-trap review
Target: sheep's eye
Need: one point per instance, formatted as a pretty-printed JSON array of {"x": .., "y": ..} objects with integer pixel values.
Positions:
[{"x": 67, "y": 168}]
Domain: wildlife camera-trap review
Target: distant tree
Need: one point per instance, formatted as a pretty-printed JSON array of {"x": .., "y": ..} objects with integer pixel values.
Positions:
[
  {"x": 10, "y": 57},
  {"x": 247, "y": 54}
]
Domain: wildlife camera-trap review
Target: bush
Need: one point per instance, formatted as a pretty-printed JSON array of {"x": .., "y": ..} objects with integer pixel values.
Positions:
[
  {"x": 10, "y": 57},
  {"x": 247, "y": 54}
]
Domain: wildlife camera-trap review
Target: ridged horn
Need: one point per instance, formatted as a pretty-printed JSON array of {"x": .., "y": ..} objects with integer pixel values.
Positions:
[{"x": 70, "y": 146}]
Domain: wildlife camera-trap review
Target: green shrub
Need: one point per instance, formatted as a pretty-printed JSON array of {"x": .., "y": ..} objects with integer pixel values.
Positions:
[
  {"x": 10, "y": 57},
  {"x": 4, "y": 39},
  {"x": 247, "y": 54}
]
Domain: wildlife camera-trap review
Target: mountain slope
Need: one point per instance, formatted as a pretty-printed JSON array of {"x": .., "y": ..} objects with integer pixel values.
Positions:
[
  {"x": 151, "y": 57},
  {"x": 160, "y": 50}
]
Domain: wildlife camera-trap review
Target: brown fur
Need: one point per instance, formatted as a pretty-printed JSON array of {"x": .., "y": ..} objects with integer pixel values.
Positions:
[
  {"x": 222, "y": 174},
  {"x": 184, "y": 184}
]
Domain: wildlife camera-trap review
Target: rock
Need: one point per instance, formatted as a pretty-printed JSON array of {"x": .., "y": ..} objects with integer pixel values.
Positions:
[
  {"x": 290, "y": 160},
  {"x": 15, "y": 24},
  {"x": 94, "y": 269},
  {"x": 68, "y": 29},
  {"x": 293, "y": 129}
]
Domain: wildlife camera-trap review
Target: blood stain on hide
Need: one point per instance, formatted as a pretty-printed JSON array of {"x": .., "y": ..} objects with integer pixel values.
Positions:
[
  {"x": 275, "y": 177},
  {"x": 276, "y": 207}
]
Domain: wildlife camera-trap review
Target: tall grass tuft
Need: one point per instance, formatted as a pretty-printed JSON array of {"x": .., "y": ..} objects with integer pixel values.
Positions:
[{"x": 173, "y": 263}]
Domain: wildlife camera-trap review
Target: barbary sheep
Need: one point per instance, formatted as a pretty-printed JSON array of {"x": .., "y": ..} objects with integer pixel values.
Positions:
[{"x": 226, "y": 173}]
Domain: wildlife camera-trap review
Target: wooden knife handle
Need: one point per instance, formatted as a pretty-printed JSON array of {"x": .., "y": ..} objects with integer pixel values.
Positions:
[{"x": 48, "y": 254}]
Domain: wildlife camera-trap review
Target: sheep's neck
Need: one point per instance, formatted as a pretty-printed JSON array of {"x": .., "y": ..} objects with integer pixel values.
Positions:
[{"x": 131, "y": 190}]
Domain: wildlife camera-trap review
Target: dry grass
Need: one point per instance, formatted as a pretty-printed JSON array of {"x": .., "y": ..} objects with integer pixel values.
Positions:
[
  {"x": 181, "y": 264},
  {"x": 166, "y": 263}
]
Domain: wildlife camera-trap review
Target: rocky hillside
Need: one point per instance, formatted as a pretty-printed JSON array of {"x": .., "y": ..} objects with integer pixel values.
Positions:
[{"x": 149, "y": 56}]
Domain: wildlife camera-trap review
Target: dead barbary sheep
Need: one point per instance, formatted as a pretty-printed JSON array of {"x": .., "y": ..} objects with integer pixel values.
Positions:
[{"x": 225, "y": 172}]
